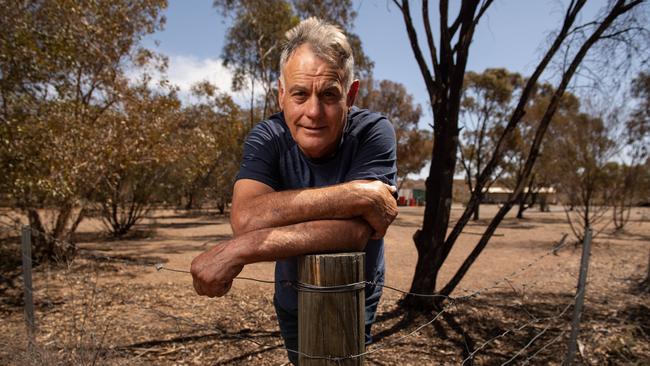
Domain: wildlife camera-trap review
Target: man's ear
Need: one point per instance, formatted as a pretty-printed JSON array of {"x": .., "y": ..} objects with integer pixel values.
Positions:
[
  {"x": 280, "y": 93},
  {"x": 352, "y": 93}
]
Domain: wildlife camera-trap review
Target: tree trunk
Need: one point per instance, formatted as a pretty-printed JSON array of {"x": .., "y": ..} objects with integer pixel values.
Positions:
[
  {"x": 621, "y": 214},
  {"x": 444, "y": 94},
  {"x": 41, "y": 246},
  {"x": 190, "y": 201},
  {"x": 56, "y": 245},
  {"x": 543, "y": 205},
  {"x": 644, "y": 286},
  {"x": 475, "y": 214},
  {"x": 521, "y": 209},
  {"x": 430, "y": 240}
]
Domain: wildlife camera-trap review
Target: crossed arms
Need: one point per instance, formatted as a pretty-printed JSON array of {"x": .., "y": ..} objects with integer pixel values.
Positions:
[{"x": 269, "y": 225}]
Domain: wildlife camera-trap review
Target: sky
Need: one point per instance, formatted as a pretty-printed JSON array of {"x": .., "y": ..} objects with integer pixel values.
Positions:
[{"x": 511, "y": 35}]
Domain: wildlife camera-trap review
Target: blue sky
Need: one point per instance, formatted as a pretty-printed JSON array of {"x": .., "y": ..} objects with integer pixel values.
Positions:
[{"x": 511, "y": 35}]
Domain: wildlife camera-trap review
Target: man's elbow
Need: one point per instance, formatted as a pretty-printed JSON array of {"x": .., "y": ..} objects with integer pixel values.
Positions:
[{"x": 239, "y": 222}]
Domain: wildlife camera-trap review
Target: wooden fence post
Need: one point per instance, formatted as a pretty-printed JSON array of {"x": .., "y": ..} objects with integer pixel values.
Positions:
[
  {"x": 26, "y": 241},
  {"x": 580, "y": 298},
  {"x": 331, "y": 308}
]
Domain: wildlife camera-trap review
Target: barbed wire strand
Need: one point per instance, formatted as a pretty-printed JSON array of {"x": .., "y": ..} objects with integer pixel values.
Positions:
[
  {"x": 518, "y": 328},
  {"x": 532, "y": 340},
  {"x": 544, "y": 347}
]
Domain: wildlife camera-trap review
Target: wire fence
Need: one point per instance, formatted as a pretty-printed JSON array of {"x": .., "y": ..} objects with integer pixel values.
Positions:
[{"x": 557, "y": 321}]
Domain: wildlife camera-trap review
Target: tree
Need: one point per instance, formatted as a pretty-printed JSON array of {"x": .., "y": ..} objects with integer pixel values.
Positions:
[
  {"x": 139, "y": 143},
  {"x": 628, "y": 184},
  {"x": 61, "y": 68},
  {"x": 443, "y": 74},
  {"x": 392, "y": 100},
  {"x": 518, "y": 146},
  {"x": 485, "y": 106},
  {"x": 583, "y": 150},
  {"x": 211, "y": 138},
  {"x": 253, "y": 46}
]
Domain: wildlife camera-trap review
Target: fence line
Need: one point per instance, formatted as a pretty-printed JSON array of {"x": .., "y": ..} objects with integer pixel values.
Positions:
[
  {"x": 452, "y": 301},
  {"x": 515, "y": 329}
]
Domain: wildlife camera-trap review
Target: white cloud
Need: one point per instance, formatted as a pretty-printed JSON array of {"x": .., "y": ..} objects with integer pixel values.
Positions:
[{"x": 186, "y": 70}]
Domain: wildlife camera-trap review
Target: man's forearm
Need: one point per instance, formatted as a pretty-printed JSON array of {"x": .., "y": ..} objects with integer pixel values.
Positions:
[
  {"x": 278, "y": 209},
  {"x": 213, "y": 270},
  {"x": 319, "y": 236}
]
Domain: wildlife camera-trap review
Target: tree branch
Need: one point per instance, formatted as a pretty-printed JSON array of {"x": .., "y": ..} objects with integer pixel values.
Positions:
[
  {"x": 417, "y": 52},
  {"x": 432, "y": 46}
]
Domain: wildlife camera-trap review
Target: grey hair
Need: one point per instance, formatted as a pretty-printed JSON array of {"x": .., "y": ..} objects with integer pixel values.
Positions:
[{"x": 327, "y": 42}]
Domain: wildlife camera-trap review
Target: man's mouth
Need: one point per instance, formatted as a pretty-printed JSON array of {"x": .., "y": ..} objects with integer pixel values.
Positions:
[{"x": 314, "y": 128}]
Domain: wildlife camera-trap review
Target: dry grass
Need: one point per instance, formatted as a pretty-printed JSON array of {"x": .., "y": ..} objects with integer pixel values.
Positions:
[{"x": 108, "y": 313}]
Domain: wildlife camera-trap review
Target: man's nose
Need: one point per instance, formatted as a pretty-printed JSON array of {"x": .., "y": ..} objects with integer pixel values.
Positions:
[{"x": 314, "y": 107}]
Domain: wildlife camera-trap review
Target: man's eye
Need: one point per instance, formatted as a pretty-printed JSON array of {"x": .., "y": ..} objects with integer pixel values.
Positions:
[
  {"x": 299, "y": 96},
  {"x": 330, "y": 95}
]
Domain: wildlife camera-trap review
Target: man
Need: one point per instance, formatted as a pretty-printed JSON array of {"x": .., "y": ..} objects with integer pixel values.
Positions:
[{"x": 317, "y": 177}]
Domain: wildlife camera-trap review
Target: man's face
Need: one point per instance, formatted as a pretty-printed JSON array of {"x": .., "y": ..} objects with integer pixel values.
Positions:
[{"x": 315, "y": 102}]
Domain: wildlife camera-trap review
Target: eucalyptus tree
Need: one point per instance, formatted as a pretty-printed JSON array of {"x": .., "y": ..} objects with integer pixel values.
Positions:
[
  {"x": 139, "y": 142},
  {"x": 485, "y": 106},
  {"x": 62, "y": 68},
  {"x": 211, "y": 136},
  {"x": 631, "y": 183}
]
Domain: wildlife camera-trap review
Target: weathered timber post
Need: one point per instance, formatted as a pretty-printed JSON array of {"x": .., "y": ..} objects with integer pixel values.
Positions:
[
  {"x": 580, "y": 298},
  {"x": 331, "y": 308},
  {"x": 26, "y": 241}
]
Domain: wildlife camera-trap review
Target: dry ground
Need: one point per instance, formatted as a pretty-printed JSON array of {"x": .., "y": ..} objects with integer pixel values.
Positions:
[{"x": 100, "y": 311}]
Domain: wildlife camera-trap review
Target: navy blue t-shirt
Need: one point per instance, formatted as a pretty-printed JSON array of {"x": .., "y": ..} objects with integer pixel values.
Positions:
[{"x": 367, "y": 151}]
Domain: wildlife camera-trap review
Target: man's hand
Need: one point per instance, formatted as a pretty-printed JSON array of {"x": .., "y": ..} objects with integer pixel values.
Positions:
[
  {"x": 213, "y": 270},
  {"x": 381, "y": 208}
]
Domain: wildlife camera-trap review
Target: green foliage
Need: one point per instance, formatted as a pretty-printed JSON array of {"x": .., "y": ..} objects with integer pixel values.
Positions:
[
  {"x": 486, "y": 105},
  {"x": 211, "y": 138},
  {"x": 630, "y": 183},
  {"x": 138, "y": 139},
  {"x": 61, "y": 70},
  {"x": 252, "y": 46}
]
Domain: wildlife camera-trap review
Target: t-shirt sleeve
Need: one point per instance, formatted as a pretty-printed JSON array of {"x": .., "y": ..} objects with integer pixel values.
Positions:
[
  {"x": 260, "y": 157},
  {"x": 377, "y": 155}
]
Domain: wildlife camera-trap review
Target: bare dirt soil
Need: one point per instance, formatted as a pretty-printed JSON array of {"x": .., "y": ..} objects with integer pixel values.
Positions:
[{"x": 111, "y": 306}]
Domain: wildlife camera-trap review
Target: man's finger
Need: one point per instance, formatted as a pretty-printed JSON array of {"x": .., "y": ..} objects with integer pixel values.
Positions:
[{"x": 392, "y": 189}]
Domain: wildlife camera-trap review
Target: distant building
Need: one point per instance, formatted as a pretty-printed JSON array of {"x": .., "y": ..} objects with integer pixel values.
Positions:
[
  {"x": 412, "y": 193},
  {"x": 548, "y": 195}
]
